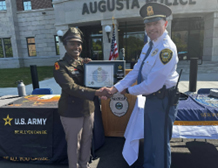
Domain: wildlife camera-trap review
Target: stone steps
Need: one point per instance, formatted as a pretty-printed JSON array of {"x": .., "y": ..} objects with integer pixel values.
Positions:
[{"x": 204, "y": 68}]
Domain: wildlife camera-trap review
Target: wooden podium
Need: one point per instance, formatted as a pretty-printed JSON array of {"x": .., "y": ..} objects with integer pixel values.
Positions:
[{"x": 113, "y": 125}]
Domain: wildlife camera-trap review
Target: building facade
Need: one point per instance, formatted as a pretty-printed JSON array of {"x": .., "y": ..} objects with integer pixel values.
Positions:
[{"x": 28, "y": 29}]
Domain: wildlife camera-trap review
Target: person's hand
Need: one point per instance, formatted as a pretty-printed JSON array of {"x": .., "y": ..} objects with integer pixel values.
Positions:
[
  {"x": 103, "y": 93},
  {"x": 112, "y": 90},
  {"x": 86, "y": 60}
]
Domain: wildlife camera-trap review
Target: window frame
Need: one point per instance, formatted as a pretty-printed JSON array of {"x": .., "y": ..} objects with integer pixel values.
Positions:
[
  {"x": 28, "y": 5},
  {"x": 3, "y": 46},
  {"x": 3, "y": 6},
  {"x": 28, "y": 44}
]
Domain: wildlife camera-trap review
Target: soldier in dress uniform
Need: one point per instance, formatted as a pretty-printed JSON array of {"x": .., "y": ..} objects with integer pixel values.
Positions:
[
  {"x": 156, "y": 75},
  {"x": 76, "y": 106}
]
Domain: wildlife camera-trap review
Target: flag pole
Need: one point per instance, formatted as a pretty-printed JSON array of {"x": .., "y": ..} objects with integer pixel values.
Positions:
[
  {"x": 114, "y": 51},
  {"x": 113, "y": 25},
  {"x": 113, "y": 29}
]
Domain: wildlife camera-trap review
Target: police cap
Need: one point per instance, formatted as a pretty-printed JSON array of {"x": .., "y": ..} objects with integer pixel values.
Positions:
[
  {"x": 72, "y": 34},
  {"x": 153, "y": 11}
]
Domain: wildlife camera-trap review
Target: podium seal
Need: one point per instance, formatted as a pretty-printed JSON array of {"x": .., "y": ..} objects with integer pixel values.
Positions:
[{"x": 119, "y": 104}]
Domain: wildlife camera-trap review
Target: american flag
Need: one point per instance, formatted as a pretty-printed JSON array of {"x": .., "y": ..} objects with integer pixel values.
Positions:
[{"x": 114, "y": 50}]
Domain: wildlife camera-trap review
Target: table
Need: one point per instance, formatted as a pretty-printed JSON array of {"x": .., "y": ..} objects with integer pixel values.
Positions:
[
  {"x": 31, "y": 130},
  {"x": 194, "y": 120}
]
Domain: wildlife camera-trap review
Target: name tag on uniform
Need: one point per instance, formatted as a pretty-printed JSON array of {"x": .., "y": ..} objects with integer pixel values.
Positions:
[{"x": 154, "y": 52}]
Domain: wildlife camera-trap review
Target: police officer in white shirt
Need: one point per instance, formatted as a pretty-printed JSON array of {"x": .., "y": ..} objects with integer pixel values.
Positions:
[{"x": 156, "y": 77}]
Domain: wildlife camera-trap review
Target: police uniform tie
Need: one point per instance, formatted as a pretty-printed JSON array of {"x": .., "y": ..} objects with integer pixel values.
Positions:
[{"x": 140, "y": 69}]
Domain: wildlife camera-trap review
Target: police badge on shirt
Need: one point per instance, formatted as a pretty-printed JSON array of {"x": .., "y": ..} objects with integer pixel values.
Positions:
[{"x": 166, "y": 55}]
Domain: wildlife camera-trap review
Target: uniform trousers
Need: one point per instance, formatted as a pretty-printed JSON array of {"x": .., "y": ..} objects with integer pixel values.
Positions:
[
  {"x": 154, "y": 122},
  {"x": 78, "y": 132}
]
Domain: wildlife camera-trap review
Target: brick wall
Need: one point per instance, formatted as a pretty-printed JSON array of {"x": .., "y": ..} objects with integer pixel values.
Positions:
[
  {"x": 36, "y": 4},
  {"x": 40, "y": 4},
  {"x": 19, "y": 5}
]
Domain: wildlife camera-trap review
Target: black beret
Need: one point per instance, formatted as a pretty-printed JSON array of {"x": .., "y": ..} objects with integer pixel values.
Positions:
[{"x": 154, "y": 11}]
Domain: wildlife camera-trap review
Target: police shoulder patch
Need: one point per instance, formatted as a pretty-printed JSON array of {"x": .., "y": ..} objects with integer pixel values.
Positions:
[
  {"x": 166, "y": 55},
  {"x": 57, "y": 66}
]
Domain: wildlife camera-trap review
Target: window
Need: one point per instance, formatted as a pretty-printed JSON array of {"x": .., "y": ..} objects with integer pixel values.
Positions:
[
  {"x": 92, "y": 44},
  {"x": 57, "y": 44},
  {"x": 27, "y": 5},
  {"x": 187, "y": 34},
  {"x": 8, "y": 47},
  {"x": 31, "y": 46},
  {"x": 131, "y": 37},
  {"x": 96, "y": 47},
  {"x": 52, "y": 3},
  {"x": 1, "y": 50},
  {"x": 2, "y": 5},
  {"x": 5, "y": 48}
]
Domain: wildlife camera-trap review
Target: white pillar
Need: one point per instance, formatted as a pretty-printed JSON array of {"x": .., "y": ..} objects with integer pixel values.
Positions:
[
  {"x": 15, "y": 39},
  {"x": 62, "y": 50},
  {"x": 169, "y": 26},
  {"x": 210, "y": 49}
]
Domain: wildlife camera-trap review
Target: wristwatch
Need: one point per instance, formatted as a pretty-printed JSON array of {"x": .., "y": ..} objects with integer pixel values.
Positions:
[{"x": 127, "y": 91}]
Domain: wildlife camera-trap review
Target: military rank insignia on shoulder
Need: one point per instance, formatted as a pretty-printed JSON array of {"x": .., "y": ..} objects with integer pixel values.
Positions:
[
  {"x": 166, "y": 55},
  {"x": 57, "y": 66}
]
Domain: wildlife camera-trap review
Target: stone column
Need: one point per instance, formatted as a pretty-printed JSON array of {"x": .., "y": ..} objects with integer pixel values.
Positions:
[
  {"x": 210, "y": 48},
  {"x": 62, "y": 50},
  {"x": 169, "y": 26},
  {"x": 106, "y": 44},
  {"x": 14, "y": 30}
]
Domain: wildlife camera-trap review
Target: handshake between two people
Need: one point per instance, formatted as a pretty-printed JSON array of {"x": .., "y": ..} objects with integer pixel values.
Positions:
[{"x": 105, "y": 92}]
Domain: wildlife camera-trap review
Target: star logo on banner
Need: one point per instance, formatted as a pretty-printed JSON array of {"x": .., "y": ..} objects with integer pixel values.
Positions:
[{"x": 8, "y": 120}]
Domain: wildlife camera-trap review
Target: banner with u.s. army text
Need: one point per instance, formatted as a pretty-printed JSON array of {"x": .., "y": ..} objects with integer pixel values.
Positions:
[{"x": 26, "y": 133}]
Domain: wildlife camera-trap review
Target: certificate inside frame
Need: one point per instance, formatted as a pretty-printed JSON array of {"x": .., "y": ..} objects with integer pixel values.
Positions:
[{"x": 98, "y": 75}]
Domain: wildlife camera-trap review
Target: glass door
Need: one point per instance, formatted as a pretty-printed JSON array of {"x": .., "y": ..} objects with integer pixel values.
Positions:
[
  {"x": 188, "y": 35},
  {"x": 131, "y": 38},
  {"x": 96, "y": 48},
  {"x": 92, "y": 43}
]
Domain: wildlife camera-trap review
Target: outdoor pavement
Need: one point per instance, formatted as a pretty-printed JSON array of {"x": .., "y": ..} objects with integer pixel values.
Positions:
[
  {"x": 183, "y": 85},
  {"x": 207, "y": 78},
  {"x": 186, "y": 153}
]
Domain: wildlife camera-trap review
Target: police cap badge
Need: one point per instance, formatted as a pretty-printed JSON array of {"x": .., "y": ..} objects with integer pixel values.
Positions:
[{"x": 154, "y": 11}]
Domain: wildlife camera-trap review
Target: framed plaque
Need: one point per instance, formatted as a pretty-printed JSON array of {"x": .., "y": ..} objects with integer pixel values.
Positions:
[{"x": 103, "y": 73}]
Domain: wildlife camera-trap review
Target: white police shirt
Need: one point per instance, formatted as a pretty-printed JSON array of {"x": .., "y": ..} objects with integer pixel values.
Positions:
[{"x": 159, "y": 68}]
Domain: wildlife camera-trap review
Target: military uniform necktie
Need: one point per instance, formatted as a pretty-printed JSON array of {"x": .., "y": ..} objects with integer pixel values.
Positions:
[{"x": 140, "y": 69}]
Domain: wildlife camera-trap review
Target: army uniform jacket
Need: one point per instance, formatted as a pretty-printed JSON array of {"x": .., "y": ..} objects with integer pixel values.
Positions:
[{"x": 76, "y": 100}]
